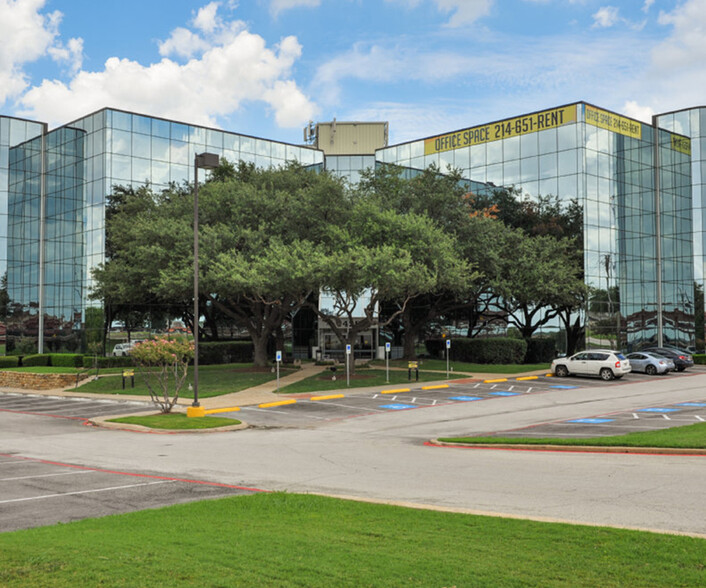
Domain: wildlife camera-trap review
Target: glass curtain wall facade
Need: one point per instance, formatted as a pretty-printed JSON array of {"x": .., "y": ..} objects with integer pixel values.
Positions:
[
  {"x": 13, "y": 131},
  {"x": 692, "y": 123},
  {"x": 605, "y": 162},
  {"x": 85, "y": 160}
]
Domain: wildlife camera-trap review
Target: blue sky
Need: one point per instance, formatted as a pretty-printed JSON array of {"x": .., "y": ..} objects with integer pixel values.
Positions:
[{"x": 266, "y": 67}]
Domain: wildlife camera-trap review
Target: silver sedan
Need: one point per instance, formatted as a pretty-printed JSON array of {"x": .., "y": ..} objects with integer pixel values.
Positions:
[{"x": 650, "y": 363}]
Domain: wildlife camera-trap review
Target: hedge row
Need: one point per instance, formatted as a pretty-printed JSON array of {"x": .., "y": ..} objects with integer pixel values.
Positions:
[
  {"x": 496, "y": 350},
  {"x": 218, "y": 352},
  {"x": 699, "y": 358}
]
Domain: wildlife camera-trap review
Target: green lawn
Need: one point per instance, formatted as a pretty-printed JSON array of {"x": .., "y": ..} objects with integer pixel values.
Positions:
[
  {"x": 363, "y": 377},
  {"x": 294, "y": 540},
  {"x": 690, "y": 436},
  {"x": 214, "y": 380},
  {"x": 458, "y": 366},
  {"x": 176, "y": 422}
]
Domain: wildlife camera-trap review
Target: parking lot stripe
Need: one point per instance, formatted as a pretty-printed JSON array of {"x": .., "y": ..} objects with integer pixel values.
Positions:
[
  {"x": 47, "y": 475},
  {"x": 86, "y": 491},
  {"x": 699, "y": 418}
]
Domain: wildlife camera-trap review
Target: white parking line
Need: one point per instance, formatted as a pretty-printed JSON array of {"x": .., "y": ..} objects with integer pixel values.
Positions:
[
  {"x": 699, "y": 418},
  {"x": 86, "y": 491},
  {"x": 666, "y": 418},
  {"x": 47, "y": 475}
]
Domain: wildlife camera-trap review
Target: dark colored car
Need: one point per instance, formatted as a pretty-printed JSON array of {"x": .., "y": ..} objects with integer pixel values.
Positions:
[{"x": 681, "y": 359}]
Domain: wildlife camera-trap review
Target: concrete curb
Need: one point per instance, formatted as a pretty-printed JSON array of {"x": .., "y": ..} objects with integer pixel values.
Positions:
[{"x": 572, "y": 448}]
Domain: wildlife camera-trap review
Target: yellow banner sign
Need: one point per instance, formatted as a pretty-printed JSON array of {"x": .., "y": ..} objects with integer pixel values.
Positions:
[
  {"x": 681, "y": 144},
  {"x": 511, "y": 127},
  {"x": 613, "y": 122}
]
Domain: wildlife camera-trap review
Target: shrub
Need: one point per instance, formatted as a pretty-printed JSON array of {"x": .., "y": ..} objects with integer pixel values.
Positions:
[
  {"x": 40, "y": 359},
  {"x": 540, "y": 350},
  {"x": 217, "y": 352},
  {"x": 66, "y": 360},
  {"x": 171, "y": 357},
  {"x": 6, "y": 362},
  {"x": 699, "y": 358},
  {"x": 497, "y": 350}
]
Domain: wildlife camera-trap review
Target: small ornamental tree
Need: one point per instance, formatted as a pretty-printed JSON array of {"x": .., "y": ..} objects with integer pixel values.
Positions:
[{"x": 163, "y": 365}]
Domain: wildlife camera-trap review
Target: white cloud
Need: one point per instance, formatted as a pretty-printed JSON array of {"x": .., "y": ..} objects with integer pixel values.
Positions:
[
  {"x": 646, "y": 6},
  {"x": 207, "y": 19},
  {"x": 464, "y": 12},
  {"x": 277, "y": 6},
  {"x": 606, "y": 16},
  {"x": 635, "y": 110},
  {"x": 71, "y": 54},
  {"x": 25, "y": 36},
  {"x": 183, "y": 43},
  {"x": 234, "y": 67}
]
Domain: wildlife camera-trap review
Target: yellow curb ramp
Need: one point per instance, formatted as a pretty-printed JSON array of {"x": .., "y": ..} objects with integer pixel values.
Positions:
[
  {"x": 395, "y": 391},
  {"x": 278, "y": 403},
  {"x": 437, "y": 387},
  {"x": 329, "y": 397},
  {"x": 219, "y": 410}
]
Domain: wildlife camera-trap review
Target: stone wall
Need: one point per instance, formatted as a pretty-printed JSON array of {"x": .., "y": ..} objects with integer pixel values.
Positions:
[{"x": 30, "y": 381}]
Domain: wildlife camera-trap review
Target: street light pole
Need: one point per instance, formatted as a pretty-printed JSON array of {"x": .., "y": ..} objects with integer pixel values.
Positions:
[{"x": 205, "y": 161}]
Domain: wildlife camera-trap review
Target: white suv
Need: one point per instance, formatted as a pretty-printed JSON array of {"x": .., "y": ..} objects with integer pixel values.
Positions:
[{"x": 597, "y": 362}]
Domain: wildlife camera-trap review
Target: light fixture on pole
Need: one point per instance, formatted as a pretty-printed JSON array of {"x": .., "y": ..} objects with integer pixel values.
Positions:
[{"x": 204, "y": 161}]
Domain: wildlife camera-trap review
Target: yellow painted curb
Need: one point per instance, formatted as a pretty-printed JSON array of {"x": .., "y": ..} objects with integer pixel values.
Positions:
[
  {"x": 435, "y": 387},
  {"x": 278, "y": 403},
  {"x": 494, "y": 381},
  {"x": 195, "y": 411},
  {"x": 218, "y": 410},
  {"x": 528, "y": 378},
  {"x": 329, "y": 397},
  {"x": 548, "y": 375},
  {"x": 395, "y": 391}
]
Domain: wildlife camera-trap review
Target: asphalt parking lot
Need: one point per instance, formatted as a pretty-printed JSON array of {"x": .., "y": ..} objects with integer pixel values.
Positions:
[
  {"x": 34, "y": 492},
  {"x": 310, "y": 411},
  {"x": 68, "y": 408}
]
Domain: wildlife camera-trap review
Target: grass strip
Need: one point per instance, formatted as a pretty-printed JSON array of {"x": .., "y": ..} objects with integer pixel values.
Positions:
[
  {"x": 363, "y": 377},
  {"x": 287, "y": 540},
  {"x": 686, "y": 437},
  {"x": 459, "y": 366},
  {"x": 176, "y": 422},
  {"x": 214, "y": 380}
]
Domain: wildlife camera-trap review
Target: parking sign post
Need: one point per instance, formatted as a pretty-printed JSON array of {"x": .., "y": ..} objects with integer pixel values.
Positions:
[
  {"x": 348, "y": 365},
  {"x": 387, "y": 362},
  {"x": 448, "y": 346},
  {"x": 279, "y": 360}
]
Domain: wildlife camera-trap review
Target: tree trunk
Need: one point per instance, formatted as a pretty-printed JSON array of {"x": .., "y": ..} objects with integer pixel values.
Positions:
[
  {"x": 409, "y": 337},
  {"x": 260, "y": 358}
]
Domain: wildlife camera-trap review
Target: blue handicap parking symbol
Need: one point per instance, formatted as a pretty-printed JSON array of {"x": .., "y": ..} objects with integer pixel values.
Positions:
[
  {"x": 504, "y": 393},
  {"x": 465, "y": 398},
  {"x": 591, "y": 421},
  {"x": 657, "y": 410},
  {"x": 564, "y": 387},
  {"x": 692, "y": 404},
  {"x": 397, "y": 406}
]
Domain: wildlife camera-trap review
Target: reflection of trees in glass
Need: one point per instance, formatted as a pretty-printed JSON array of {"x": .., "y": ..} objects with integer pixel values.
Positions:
[{"x": 699, "y": 315}]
